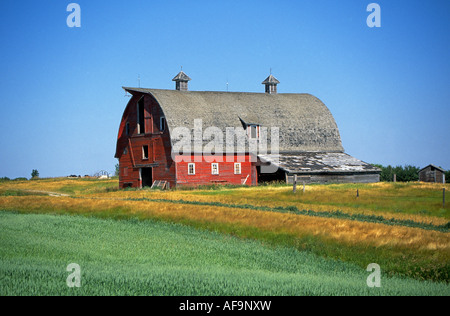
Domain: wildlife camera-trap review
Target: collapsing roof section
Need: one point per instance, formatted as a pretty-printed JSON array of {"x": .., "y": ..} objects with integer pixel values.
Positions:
[{"x": 314, "y": 163}]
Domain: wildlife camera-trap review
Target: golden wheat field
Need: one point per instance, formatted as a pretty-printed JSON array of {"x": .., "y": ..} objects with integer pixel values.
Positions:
[
  {"x": 413, "y": 201},
  {"x": 346, "y": 231}
]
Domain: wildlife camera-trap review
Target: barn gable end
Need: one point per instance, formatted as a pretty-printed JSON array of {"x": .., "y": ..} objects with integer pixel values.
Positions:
[{"x": 144, "y": 157}]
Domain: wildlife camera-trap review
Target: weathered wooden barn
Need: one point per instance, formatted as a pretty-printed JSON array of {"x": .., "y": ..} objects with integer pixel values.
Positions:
[
  {"x": 305, "y": 134},
  {"x": 431, "y": 173}
]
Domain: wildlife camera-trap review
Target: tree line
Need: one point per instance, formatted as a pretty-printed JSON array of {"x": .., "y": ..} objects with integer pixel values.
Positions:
[
  {"x": 405, "y": 173},
  {"x": 34, "y": 176}
]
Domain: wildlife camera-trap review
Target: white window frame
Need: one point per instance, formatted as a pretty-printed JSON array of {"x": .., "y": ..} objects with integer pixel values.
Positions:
[
  {"x": 249, "y": 131},
  {"x": 215, "y": 171},
  {"x": 240, "y": 168},
  {"x": 189, "y": 169}
]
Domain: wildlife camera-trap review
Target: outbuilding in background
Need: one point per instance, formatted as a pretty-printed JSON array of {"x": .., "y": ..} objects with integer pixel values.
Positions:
[{"x": 432, "y": 173}]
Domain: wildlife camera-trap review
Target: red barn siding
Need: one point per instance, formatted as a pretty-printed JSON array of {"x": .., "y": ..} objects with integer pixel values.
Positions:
[{"x": 203, "y": 172}]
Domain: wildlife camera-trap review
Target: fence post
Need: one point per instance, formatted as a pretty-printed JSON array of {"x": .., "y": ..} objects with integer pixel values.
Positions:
[
  {"x": 295, "y": 183},
  {"x": 443, "y": 198},
  {"x": 304, "y": 187},
  {"x": 395, "y": 178}
]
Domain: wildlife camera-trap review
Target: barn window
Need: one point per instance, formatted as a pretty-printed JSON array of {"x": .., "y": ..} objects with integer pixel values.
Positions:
[
  {"x": 145, "y": 152},
  {"x": 127, "y": 129},
  {"x": 237, "y": 168},
  {"x": 253, "y": 131},
  {"x": 214, "y": 168},
  {"x": 191, "y": 169},
  {"x": 125, "y": 151},
  {"x": 140, "y": 117},
  {"x": 125, "y": 172},
  {"x": 162, "y": 124}
]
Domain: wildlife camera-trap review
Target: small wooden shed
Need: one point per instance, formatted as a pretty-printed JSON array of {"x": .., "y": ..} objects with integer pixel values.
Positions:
[{"x": 431, "y": 173}]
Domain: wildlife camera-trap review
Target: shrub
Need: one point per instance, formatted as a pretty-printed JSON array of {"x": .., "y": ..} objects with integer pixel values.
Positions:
[{"x": 34, "y": 174}]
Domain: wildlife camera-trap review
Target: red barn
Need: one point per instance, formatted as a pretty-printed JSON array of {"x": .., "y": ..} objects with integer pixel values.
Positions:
[{"x": 183, "y": 137}]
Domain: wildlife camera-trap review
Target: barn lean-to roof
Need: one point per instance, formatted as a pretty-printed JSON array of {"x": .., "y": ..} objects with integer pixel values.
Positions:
[
  {"x": 317, "y": 163},
  {"x": 305, "y": 123}
]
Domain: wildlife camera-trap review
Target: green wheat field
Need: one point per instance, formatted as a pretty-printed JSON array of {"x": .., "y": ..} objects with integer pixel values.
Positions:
[{"x": 129, "y": 257}]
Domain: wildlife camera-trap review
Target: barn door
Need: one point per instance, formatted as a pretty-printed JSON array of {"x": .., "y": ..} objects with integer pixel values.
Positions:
[{"x": 147, "y": 177}]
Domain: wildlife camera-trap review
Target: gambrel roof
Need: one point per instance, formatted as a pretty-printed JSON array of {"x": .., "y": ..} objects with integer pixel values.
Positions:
[{"x": 305, "y": 123}]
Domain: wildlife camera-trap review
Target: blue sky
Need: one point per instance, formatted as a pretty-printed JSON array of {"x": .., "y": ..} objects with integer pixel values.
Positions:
[{"x": 61, "y": 97}]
